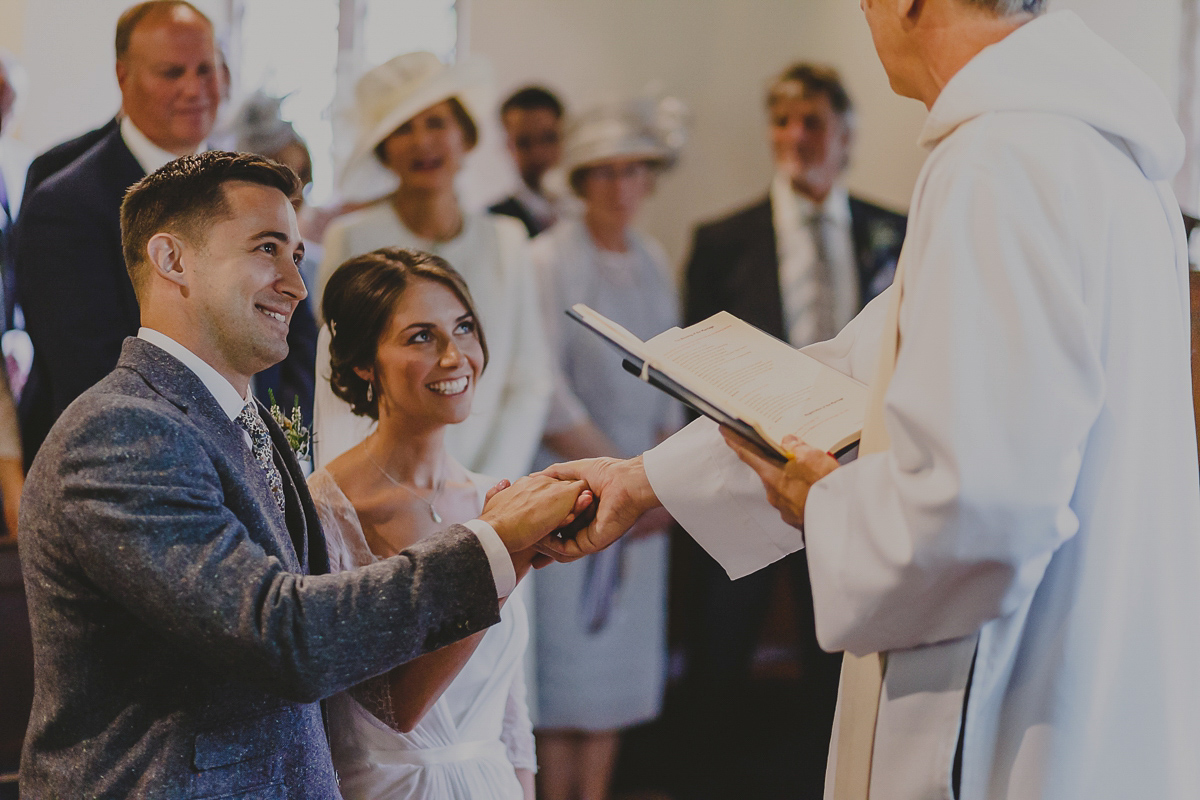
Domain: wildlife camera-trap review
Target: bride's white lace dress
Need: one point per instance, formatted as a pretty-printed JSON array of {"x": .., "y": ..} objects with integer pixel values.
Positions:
[{"x": 478, "y": 731}]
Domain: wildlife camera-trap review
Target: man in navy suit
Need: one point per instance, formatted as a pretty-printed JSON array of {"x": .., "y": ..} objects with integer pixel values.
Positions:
[
  {"x": 71, "y": 282},
  {"x": 184, "y": 626},
  {"x": 799, "y": 263}
]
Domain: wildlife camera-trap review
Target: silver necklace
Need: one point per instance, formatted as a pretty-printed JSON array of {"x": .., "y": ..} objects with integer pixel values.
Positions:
[{"x": 437, "y": 490}]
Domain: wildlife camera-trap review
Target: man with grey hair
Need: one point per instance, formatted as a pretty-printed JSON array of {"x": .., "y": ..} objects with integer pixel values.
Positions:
[{"x": 1010, "y": 564}]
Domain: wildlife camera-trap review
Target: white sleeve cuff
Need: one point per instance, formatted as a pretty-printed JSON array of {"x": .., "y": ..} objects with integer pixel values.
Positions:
[{"x": 503, "y": 571}]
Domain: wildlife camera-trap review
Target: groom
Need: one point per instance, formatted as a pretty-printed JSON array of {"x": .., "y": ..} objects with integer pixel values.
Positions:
[{"x": 184, "y": 625}]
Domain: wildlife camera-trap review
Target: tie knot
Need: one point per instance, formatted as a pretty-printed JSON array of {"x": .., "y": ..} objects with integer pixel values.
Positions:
[{"x": 252, "y": 423}]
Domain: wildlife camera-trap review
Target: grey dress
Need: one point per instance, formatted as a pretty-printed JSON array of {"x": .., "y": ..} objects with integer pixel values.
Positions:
[{"x": 601, "y": 621}]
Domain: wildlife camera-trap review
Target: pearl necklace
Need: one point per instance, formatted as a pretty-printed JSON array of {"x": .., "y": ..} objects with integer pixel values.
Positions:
[{"x": 437, "y": 490}]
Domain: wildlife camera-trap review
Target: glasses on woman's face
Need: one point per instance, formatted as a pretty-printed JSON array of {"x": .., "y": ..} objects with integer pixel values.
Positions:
[{"x": 613, "y": 172}]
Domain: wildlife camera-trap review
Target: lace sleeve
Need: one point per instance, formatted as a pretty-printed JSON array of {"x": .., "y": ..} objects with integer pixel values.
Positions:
[{"x": 347, "y": 550}]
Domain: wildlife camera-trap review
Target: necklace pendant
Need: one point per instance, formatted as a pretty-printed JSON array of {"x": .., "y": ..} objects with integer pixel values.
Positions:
[{"x": 436, "y": 516}]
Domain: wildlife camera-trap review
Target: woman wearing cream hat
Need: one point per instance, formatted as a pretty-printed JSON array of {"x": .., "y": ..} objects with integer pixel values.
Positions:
[
  {"x": 416, "y": 122},
  {"x": 601, "y": 638}
]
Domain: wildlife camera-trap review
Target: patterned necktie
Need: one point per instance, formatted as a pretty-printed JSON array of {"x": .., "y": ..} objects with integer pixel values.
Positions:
[
  {"x": 821, "y": 300},
  {"x": 260, "y": 445}
]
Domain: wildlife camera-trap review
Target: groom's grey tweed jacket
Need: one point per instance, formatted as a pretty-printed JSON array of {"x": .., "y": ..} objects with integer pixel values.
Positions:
[{"x": 180, "y": 642}]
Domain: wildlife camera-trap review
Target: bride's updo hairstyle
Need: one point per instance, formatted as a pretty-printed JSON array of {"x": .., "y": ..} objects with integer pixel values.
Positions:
[{"x": 359, "y": 300}]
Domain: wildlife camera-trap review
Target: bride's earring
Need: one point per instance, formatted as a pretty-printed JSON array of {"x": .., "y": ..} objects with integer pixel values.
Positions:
[{"x": 370, "y": 392}]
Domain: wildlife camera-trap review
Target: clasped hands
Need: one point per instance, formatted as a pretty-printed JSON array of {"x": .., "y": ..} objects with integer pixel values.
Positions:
[{"x": 571, "y": 510}]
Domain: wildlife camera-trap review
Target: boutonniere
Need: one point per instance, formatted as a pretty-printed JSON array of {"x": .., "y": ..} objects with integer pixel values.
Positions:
[
  {"x": 298, "y": 436},
  {"x": 882, "y": 237}
]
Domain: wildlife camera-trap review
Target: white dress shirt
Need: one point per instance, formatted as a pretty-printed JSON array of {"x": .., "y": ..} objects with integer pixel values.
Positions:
[
  {"x": 797, "y": 254},
  {"x": 149, "y": 155},
  {"x": 232, "y": 403}
]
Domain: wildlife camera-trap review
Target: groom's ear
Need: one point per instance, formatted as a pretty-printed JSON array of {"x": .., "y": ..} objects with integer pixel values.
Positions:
[{"x": 165, "y": 252}]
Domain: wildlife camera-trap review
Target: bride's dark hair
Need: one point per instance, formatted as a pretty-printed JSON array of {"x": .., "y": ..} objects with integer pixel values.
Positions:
[{"x": 360, "y": 298}]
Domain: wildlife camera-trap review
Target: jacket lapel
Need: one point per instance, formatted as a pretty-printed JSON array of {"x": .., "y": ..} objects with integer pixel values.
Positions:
[
  {"x": 762, "y": 268},
  {"x": 177, "y": 384},
  {"x": 302, "y": 521}
]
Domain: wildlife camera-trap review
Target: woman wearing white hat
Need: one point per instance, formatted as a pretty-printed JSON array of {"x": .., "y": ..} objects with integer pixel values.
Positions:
[
  {"x": 416, "y": 120},
  {"x": 601, "y": 638}
]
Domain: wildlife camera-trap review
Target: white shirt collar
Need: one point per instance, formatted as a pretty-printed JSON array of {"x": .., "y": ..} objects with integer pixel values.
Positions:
[
  {"x": 791, "y": 205},
  {"x": 540, "y": 205},
  {"x": 227, "y": 397},
  {"x": 147, "y": 153}
]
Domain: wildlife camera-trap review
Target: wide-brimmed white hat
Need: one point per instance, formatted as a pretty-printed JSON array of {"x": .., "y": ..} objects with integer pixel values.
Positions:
[
  {"x": 393, "y": 93},
  {"x": 653, "y": 128}
]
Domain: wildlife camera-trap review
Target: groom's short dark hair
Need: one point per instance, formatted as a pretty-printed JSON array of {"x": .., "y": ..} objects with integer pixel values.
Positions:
[{"x": 186, "y": 197}]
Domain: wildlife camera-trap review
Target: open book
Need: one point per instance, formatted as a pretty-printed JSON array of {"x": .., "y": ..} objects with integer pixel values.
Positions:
[{"x": 736, "y": 374}]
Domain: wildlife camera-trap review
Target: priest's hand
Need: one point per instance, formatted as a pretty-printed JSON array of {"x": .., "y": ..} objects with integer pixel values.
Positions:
[
  {"x": 623, "y": 493},
  {"x": 525, "y": 512},
  {"x": 787, "y": 484}
]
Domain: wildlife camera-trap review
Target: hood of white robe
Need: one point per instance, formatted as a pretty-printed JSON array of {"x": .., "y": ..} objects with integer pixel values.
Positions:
[{"x": 1056, "y": 64}]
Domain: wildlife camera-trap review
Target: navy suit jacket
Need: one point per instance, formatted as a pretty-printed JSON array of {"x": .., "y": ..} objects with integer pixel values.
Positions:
[
  {"x": 78, "y": 301},
  {"x": 512, "y": 207},
  {"x": 63, "y": 154},
  {"x": 734, "y": 265},
  {"x": 181, "y": 634}
]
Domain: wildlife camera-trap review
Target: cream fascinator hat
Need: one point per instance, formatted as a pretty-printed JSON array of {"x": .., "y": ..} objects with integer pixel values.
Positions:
[
  {"x": 653, "y": 128},
  {"x": 393, "y": 93}
]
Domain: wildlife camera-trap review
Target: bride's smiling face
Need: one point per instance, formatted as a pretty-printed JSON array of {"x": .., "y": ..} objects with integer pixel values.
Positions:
[{"x": 428, "y": 358}]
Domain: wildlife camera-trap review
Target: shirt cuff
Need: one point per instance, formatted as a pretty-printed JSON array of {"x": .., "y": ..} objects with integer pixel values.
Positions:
[{"x": 503, "y": 571}]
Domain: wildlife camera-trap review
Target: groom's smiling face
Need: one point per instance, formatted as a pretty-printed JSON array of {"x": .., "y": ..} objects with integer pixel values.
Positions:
[{"x": 243, "y": 281}]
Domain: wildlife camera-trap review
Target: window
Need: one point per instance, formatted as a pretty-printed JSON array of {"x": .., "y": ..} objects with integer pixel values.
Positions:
[{"x": 312, "y": 51}]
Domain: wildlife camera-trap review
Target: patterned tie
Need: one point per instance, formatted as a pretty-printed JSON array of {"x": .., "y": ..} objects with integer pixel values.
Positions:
[
  {"x": 821, "y": 300},
  {"x": 260, "y": 445},
  {"x": 862, "y": 677}
]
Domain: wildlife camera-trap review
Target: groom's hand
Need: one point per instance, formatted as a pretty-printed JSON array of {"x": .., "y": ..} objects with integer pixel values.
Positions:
[
  {"x": 527, "y": 511},
  {"x": 623, "y": 493}
]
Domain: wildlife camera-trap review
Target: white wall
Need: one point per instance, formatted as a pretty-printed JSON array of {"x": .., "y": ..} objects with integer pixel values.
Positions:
[
  {"x": 718, "y": 55},
  {"x": 715, "y": 54}
]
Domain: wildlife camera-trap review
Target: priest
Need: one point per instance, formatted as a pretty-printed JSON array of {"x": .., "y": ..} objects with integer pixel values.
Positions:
[{"x": 1011, "y": 563}]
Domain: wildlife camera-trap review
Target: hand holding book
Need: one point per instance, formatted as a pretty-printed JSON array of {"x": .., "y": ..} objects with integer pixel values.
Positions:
[{"x": 745, "y": 379}]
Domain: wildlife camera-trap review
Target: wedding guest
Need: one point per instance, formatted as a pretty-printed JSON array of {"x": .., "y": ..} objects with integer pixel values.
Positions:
[
  {"x": 533, "y": 121},
  {"x": 407, "y": 350},
  {"x": 15, "y": 157},
  {"x": 417, "y": 123},
  {"x": 601, "y": 639},
  {"x": 14, "y": 160},
  {"x": 183, "y": 624},
  {"x": 798, "y": 263},
  {"x": 258, "y": 127},
  {"x": 79, "y": 304}
]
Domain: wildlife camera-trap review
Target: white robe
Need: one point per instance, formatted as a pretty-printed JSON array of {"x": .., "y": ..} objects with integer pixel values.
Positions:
[{"x": 1041, "y": 489}]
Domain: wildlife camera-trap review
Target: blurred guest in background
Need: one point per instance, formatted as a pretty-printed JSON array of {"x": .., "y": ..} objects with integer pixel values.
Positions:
[
  {"x": 533, "y": 120},
  {"x": 416, "y": 125},
  {"x": 799, "y": 263},
  {"x": 259, "y": 128},
  {"x": 79, "y": 304},
  {"x": 14, "y": 160},
  {"x": 15, "y": 156},
  {"x": 601, "y": 640}
]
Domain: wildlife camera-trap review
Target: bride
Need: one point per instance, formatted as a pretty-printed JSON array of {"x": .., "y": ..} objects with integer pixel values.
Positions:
[{"x": 407, "y": 350}]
